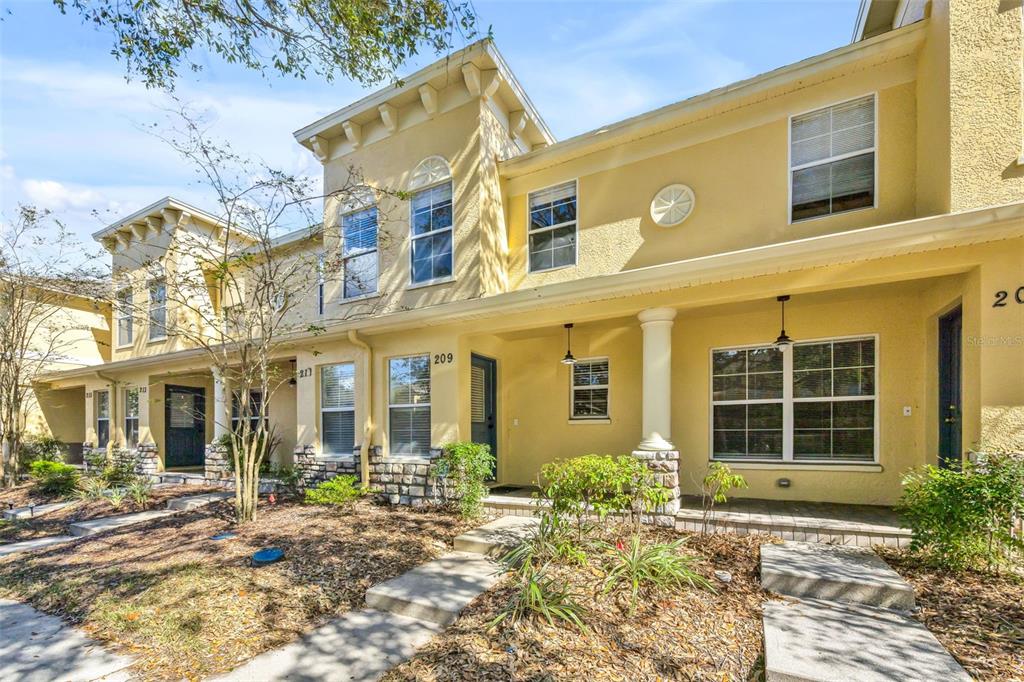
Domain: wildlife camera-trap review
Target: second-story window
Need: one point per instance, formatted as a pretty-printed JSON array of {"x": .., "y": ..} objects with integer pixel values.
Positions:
[
  {"x": 553, "y": 227},
  {"x": 359, "y": 253},
  {"x": 157, "y": 309},
  {"x": 832, "y": 159},
  {"x": 431, "y": 231},
  {"x": 125, "y": 330}
]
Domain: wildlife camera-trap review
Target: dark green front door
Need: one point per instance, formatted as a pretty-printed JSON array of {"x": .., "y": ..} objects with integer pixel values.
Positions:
[
  {"x": 484, "y": 404},
  {"x": 950, "y": 368},
  {"x": 185, "y": 426}
]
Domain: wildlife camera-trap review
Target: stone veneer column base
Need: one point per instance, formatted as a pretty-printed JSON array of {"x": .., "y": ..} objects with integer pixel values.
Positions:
[
  {"x": 215, "y": 465},
  {"x": 403, "y": 480},
  {"x": 315, "y": 469},
  {"x": 665, "y": 465}
]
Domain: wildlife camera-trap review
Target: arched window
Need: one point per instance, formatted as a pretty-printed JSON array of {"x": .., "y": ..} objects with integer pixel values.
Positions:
[{"x": 430, "y": 221}]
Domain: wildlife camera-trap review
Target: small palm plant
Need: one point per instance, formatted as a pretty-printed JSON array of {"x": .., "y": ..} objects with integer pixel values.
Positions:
[
  {"x": 116, "y": 497},
  {"x": 140, "y": 491},
  {"x": 658, "y": 565},
  {"x": 91, "y": 488}
]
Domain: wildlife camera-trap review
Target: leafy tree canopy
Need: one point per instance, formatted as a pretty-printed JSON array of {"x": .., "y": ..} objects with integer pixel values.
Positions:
[{"x": 365, "y": 40}]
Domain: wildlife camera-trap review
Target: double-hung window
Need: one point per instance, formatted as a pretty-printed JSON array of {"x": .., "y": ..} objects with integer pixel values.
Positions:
[
  {"x": 431, "y": 230},
  {"x": 338, "y": 409},
  {"x": 131, "y": 417},
  {"x": 254, "y": 409},
  {"x": 359, "y": 252},
  {"x": 832, "y": 159},
  {"x": 157, "y": 309},
  {"x": 815, "y": 403},
  {"x": 552, "y": 230},
  {"x": 409, "y": 405},
  {"x": 590, "y": 389},
  {"x": 102, "y": 418},
  {"x": 125, "y": 329}
]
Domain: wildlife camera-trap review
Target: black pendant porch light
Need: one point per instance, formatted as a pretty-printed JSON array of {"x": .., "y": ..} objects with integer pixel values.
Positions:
[
  {"x": 783, "y": 341},
  {"x": 568, "y": 359}
]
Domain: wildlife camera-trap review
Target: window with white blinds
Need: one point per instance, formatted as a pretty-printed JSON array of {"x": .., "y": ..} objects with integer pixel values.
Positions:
[
  {"x": 102, "y": 418},
  {"x": 409, "y": 405},
  {"x": 359, "y": 253},
  {"x": 552, "y": 229},
  {"x": 157, "y": 309},
  {"x": 832, "y": 159},
  {"x": 338, "y": 408},
  {"x": 814, "y": 403},
  {"x": 590, "y": 389},
  {"x": 131, "y": 417},
  {"x": 125, "y": 330}
]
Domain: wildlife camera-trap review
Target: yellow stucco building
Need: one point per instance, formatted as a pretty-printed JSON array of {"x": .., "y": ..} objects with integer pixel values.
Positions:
[{"x": 879, "y": 186}]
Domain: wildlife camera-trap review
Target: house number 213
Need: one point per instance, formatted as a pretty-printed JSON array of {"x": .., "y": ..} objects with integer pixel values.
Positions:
[{"x": 1002, "y": 297}]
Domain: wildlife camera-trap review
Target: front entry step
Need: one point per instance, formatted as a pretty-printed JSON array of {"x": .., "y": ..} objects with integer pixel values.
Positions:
[
  {"x": 496, "y": 538},
  {"x": 823, "y": 641},
  {"x": 840, "y": 573},
  {"x": 437, "y": 591}
]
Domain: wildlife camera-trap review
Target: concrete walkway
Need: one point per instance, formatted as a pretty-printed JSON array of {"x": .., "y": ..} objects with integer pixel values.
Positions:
[
  {"x": 32, "y": 511},
  {"x": 847, "y": 621},
  {"x": 36, "y": 647}
]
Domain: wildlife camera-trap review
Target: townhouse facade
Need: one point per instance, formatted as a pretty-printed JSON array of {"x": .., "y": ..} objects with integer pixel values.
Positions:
[{"x": 815, "y": 275}]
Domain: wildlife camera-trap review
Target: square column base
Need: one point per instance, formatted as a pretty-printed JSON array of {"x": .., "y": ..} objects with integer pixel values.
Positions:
[{"x": 664, "y": 464}]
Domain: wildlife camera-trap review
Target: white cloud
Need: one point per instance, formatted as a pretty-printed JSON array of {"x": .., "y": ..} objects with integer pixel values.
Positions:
[{"x": 57, "y": 196}]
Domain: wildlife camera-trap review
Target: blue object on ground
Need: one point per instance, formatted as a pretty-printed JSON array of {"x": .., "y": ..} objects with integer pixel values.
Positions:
[
  {"x": 223, "y": 536},
  {"x": 267, "y": 556}
]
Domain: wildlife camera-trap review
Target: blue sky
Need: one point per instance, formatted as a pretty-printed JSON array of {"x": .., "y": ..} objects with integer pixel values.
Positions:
[{"x": 71, "y": 135}]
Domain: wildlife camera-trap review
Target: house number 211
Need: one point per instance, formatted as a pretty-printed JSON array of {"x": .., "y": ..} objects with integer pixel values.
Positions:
[{"x": 1003, "y": 296}]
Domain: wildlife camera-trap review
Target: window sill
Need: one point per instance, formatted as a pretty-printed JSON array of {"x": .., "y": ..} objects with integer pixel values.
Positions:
[
  {"x": 590, "y": 421},
  {"x": 554, "y": 269},
  {"x": 800, "y": 221},
  {"x": 125, "y": 346},
  {"x": 776, "y": 465},
  {"x": 158, "y": 339},
  {"x": 430, "y": 283},
  {"x": 357, "y": 299},
  {"x": 335, "y": 458}
]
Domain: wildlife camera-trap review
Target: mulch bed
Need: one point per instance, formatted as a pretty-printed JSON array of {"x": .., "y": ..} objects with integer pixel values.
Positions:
[
  {"x": 978, "y": 617},
  {"x": 56, "y": 522},
  {"x": 188, "y": 606},
  {"x": 689, "y": 634}
]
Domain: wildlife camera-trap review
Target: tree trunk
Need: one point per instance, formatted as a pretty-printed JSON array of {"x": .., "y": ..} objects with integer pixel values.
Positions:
[{"x": 8, "y": 454}]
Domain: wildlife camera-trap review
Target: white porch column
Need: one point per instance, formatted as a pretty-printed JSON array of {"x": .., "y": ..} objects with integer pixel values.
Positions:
[
  {"x": 221, "y": 405},
  {"x": 657, "y": 378}
]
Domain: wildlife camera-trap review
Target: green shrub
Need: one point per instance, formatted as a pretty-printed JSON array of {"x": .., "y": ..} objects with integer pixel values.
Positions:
[
  {"x": 340, "y": 491},
  {"x": 91, "y": 488},
  {"x": 140, "y": 491},
  {"x": 54, "y": 478},
  {"x": 116, "y": 497},
  {"x": 461, "y": 472},
  {"x": 288, "y": 477},
  {"x": 636, "y": 566},
  {"x": 600, "y": 485},
  {"x": 538, "y": 595},
  {"x": 965, "y": 519},
  {"x": 718, "y": 482},
  {"x": 36, "y": 448},
  {"x": 550, "y": 542}
]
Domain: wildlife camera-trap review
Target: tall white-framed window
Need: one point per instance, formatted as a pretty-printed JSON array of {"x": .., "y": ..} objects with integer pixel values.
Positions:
[
  {"x": 814, "y": 403},
  {"x": 338, "y": 408},
  {"x": 359, "y": 253},
  {"x": 131, "y": 417},
  {"x": 552, "y": 228},
  {"x": 431, "y": 234},
  {"x": 409, "y": 405},
  {"x": 589, "y": 390},
  {"x": 832, "y": 159},
  {"x": 102, "y": 418},
  {"x": 125, "y": 327},
  {"x": 157, "y": 309}
]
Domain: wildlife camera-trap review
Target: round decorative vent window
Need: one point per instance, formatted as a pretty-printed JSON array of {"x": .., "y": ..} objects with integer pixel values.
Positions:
[{"x": 672, "y": 205}]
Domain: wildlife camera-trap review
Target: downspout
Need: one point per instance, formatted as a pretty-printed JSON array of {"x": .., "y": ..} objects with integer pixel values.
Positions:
[{"x": 364, "y": 447}]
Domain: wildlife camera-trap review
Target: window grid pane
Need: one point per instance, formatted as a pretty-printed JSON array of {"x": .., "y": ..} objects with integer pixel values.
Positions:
[
  {"x": 590, "y": 380},
  {"x": 431, "y": 229},
  {"x": 552, "y": 227}
]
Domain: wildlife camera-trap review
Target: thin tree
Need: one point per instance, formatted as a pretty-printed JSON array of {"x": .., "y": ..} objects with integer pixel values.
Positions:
[
  {"x": 243, "y": 294},
  {"x": 364, "y": 40},
  {"x": 42, "y": 269}
]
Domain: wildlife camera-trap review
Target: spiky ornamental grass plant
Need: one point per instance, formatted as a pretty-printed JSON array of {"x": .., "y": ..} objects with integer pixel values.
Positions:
[
  {"x": 539, "y": 595},
  {"x": 636, "y": 565}
]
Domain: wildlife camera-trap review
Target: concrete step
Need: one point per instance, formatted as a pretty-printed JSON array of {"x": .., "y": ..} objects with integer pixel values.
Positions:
[
  {"x": 357, "y": 647},
  {"x": 196, "y": 501},
  {"x": 94, "y": 526},
  {"x": 840, "y": 573},
  {"x": 496, "y": 538},
  {"x": 34, "y": 510},
  {"x": 812, "y": 640},
  {"x": 37, "y": 543},
  {"x": 438, "y": 590}
]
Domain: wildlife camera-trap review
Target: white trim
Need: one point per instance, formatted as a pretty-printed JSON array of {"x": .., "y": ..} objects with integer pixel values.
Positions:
[
  {"x": 387, "y": 417},
  {"x": 777, "y": 466},
  {"x": 789, "y": 159},
  {"x": 788, "y": 401},
  {"x": 375, "y": 249},
  {"x": 430, "y": 283},
  {"x": 412, "y": 237},
  {"x": 576, "y": 225},
  {"x": 321, "y": 409},
  {"x": 607, "y": 416}
]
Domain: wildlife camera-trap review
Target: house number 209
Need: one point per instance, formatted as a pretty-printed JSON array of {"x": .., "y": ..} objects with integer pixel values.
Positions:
[
  {"x": 443, "y": 358},
  {"x": 1003, "y": 296}
]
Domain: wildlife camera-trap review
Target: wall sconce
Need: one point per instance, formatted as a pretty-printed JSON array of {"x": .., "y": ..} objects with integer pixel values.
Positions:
[{"x": 568, "y": 359}]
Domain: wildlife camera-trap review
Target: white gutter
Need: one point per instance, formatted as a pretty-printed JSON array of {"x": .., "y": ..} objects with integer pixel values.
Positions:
[{"x": 911, "y": 236}]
